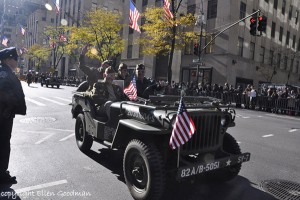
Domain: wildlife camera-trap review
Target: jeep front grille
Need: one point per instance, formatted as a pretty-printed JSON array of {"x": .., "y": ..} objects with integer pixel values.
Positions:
[{"x": 207, "y": 134}]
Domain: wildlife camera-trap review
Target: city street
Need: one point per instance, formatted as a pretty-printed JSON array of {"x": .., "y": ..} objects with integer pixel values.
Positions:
[{"x": 48, "y": 165}]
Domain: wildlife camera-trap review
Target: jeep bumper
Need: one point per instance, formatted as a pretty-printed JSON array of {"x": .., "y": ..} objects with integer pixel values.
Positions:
[{"x": 200, "y": 168}]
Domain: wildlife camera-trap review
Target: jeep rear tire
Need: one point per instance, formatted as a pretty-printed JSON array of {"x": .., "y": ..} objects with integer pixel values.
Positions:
[
  {"x": 83, "y": 139},
  {"x": 144, "y": 170}
]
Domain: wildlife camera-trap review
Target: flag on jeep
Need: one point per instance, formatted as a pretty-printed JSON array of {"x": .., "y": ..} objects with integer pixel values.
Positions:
[
  {"x": 131, "y": 91},
  {"x": 183, "y": 128}
]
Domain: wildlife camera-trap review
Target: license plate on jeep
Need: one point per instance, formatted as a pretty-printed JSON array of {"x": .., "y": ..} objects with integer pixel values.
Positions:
[{"x": 200, "y": 168}]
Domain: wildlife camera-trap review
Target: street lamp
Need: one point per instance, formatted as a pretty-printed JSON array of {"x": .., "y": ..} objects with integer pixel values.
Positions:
[{"x": 49, "y": 7}]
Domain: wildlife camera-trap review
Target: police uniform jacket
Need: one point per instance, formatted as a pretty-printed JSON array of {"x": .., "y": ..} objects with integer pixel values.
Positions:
[
  {"x": 12, "y": 98},
  {"x": 100, "y": 93},
  {"x": 92, "y": 73}
]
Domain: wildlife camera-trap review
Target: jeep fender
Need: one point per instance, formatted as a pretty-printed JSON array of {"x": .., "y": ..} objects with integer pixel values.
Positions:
[{"x": 129, "y": 129}]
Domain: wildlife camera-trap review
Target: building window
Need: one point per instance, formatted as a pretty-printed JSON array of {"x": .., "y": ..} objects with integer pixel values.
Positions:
[
  {"x": 191, "y": 9},
  {"x": 271, "y": 57},
  {"x": 189, "y": 47},
  {"x": 283, "y": 7},
  {"x": 292, "y": 65},
  {"x": 129, "y": 51},
  {"x": 278, "y": 60},
  {"x": 212, "y": 9},
  {"x": 262, "y": 54},
  {"x": 294, "y": 41},
  {"x": 252, "y": 50},
  {"x": 94, "y": 6},
  {"x": 275, "y": 4},
  {"x": 290, "y": 12},
  {"x": 145, "y": 2},
  {"x": 297, "y": 16},
  {"x": 287, "y": 41},
  {"x": 280, "y": 34},
  {"x": 242, "y": 10},
  {"x": 240, "y": 46},
  {"x": 285, "y": 61},
  {"x": 273, "y": 29}
]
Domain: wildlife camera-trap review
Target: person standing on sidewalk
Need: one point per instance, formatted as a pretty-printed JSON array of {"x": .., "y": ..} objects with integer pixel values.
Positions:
[{"x": 12, "y": 102}]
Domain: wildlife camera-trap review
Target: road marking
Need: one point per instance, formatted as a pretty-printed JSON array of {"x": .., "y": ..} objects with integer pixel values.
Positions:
[
  {"x": 53, "y": 101},
  {"x": 284, "y": 117},
  {"x": 67, "y": 100},
  {"x": 293, "y": 130},
  {"x": 65, "y": 138},
  {"x": 238, "y": 115},
  {"x": 41, "y": 186},
  {"x": 44, "y": 139},
  {"x": 270, "y": 135},
  {"x": 34, "y": 101},
  {"x": 56, "y": 129},
  {"x": 259, "y": 116}
]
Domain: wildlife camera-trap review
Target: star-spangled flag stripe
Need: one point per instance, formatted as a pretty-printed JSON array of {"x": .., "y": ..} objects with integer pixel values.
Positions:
[
  {"x": 131, "y": 91},
  {"x": 168, "y": 13},
  {"x": 183, "y": 128},
  {"x": 22, "y": 30},
  {"x": 57, "y": 7},
  {"x": 134, "y": 17}
]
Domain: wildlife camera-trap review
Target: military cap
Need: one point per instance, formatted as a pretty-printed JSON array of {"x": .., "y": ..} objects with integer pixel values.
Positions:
[
  {"x": 140, "y": 67},
  {"x": 122, "y": 66},
  {"x": 109, "y": 70},
  {"x": 106, "y": 62},
  {"x": 10, "y": 52}
]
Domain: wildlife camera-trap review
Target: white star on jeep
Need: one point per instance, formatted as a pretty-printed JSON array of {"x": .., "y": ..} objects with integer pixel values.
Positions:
[{"x": 228, "y": 162}]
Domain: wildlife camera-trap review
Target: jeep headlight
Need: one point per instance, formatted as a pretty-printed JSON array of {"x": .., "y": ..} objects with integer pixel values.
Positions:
[{"x": 223, "y": 121}]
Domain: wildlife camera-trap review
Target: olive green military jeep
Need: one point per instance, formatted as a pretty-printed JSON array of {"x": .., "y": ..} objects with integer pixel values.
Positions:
[{"x": 143, "y": 129}]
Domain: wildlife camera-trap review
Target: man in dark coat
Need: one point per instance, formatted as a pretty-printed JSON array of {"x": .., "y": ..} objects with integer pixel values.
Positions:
[
  {"x": 12, "y": 102},
  {"x": 123, "y": 74},
  {"x": 143, "y": 86}
]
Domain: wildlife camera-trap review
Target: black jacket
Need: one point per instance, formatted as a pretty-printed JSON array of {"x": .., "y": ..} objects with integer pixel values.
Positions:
[{"x": 12, "y": 98}]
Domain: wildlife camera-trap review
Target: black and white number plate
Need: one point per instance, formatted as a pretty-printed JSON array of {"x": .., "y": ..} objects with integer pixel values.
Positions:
[{"x": 200, "y": 168}]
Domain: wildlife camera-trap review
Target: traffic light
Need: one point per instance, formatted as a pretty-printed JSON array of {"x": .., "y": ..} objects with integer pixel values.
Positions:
[
  {"x": 196, "y": 48},
  {"x": 262, "y": 23},
  {"x": 253, "y": 26}
]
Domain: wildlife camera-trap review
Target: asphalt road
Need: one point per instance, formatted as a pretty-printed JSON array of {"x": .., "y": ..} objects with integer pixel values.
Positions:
[{"x": 48, "y": 164}]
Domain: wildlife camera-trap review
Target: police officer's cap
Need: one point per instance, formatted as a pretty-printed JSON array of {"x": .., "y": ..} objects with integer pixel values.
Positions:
[
  {"x": 10, "y": 52},
  {"x": 122, "y": 66}
]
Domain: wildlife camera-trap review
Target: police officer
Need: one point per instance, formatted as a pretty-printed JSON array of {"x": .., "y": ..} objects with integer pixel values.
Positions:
[
  {"x": 93, "y": 74},
  {"x": 123, "y": 74},
  {"x": 12, "y": 102}
]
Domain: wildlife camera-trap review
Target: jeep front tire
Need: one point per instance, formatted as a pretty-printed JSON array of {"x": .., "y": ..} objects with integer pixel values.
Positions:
[
  {"x": 144, "y": 170},
  {"x": 83, "y": 139}
]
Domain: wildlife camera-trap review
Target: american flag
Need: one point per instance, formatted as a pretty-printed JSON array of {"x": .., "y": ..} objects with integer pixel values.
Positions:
[
  {"x": 62, "y": 38},
  {"x": 22, "y": 30},
  {"x": 57, "y": 8},
  {"x": 4, "y": 41},
  {"x": 183, "y": 128},
  {"x": 168, "y": 13},
  {"x": 133, "y": 17},
  {"x": 131, "y": 91}
]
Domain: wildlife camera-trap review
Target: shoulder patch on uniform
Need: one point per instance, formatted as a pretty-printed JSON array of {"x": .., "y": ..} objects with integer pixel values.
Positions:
[{"x": 3, "y": 74}]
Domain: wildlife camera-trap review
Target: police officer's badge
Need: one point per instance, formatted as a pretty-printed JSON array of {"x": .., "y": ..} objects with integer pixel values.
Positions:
[{"x": 3, "y": 74}]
